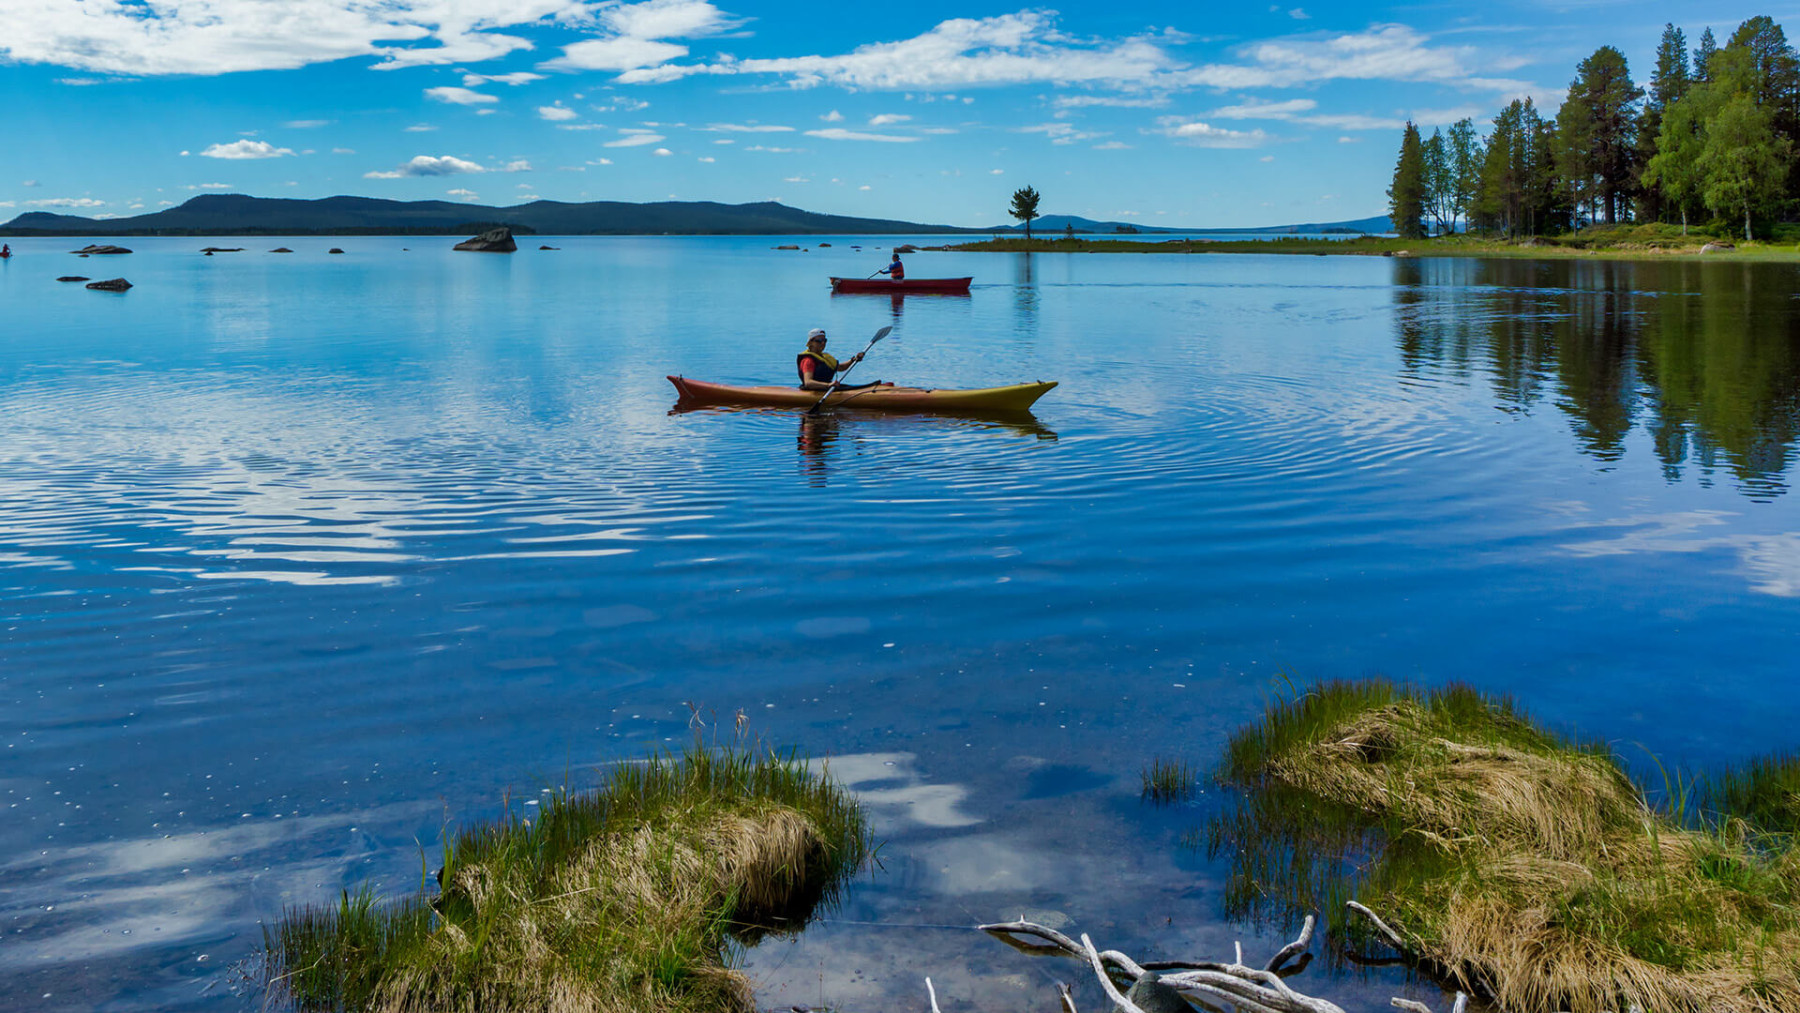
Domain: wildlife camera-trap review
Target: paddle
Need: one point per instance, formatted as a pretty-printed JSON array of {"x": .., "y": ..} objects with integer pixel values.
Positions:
[{"x": 846, "y": 371}]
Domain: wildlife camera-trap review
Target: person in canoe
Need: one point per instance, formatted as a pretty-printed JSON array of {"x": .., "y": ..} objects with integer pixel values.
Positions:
[
  {"x": 818, "y": 368},
  {"x": 895, "y": 269}
]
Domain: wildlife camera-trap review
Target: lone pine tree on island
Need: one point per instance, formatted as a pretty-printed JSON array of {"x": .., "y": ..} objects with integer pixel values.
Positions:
[{"x": 1025, "y": 206}]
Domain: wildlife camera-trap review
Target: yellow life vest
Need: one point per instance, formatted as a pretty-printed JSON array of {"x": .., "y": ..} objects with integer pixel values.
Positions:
[{"x": 824, "y": 359}]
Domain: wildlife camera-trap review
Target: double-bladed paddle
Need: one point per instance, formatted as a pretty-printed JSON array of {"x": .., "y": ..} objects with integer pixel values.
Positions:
[{"x": 846, "y": 371}]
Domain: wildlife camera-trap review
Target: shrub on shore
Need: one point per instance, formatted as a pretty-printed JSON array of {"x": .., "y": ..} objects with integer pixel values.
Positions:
[
  {"x": 628, "y": 898},
  {"x": 1513, "y": 860}
]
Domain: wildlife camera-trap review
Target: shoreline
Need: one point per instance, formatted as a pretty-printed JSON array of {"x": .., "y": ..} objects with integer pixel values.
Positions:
[{"x": 1560, "y": 248}]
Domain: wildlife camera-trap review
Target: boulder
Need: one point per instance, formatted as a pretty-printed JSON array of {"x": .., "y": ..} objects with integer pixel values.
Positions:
[
  {"x": 109, "y": 285},
  {"x": 498, "y": 240},
  {"x": 334, "y": 250},
  {"x": 72, "y": 277},
  {"x": 823, "y": 245},
  {"x": 549, "y": 247},
  {"x": 210, "y": 250},
  {"x": 787, "y": 247},
  {"x": 281, "y": 249},
  {"x": 1717, "y": 246},
  {"x": 99, "y": 248}
]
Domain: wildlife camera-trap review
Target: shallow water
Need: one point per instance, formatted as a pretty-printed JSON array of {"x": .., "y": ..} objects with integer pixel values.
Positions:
[{"x": 305, "y": 555}]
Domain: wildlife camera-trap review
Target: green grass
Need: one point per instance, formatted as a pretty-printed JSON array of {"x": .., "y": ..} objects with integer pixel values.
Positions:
[
  {"x": 1512, "y": 856},
  {"x": 633, "y": 897},
  {"x": 1168, "y": 781}
]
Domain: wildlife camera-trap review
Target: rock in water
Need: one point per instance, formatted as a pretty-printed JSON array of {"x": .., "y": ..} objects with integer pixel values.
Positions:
[
  {"x": 72, "y": 277},
  {"x": 549, "y": 247},
  {"x": 209, "y": 250},
  {"x": 334, "y": 250},
  {"x": 498, "y": 240},
  {"x": 109, "y": 285},
  {"x": 1149, "y": 994},
  {"x": 281, "y": 249},
  {"x": 97, "y": 248}
]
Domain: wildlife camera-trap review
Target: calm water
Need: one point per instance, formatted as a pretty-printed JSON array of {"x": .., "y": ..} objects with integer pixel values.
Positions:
[{"x": 303, "y": 556}]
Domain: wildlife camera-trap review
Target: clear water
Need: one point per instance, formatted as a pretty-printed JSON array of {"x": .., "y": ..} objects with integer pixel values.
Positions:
[{"x": 304, "y": 555}]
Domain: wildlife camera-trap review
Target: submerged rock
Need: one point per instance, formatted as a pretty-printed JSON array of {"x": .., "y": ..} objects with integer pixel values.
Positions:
[
  {"x": 549, "y": 247},
  {"x": 100, "y": 248},
  {"x": 334, "y": 250},
  {"x": 109, "y": 285},
  {"x": 281, "y": 249},
  {"x": 73, "y": 277},
  {"x": 498, "y": 240}
]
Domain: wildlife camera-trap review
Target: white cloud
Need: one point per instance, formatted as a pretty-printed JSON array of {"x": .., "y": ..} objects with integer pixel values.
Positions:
[
  {"x": 514, "y": 79},
  {"x": 524, "y": 186},
  {"x": 428, "y": 165},
  {"x": 1205, "y": 135},
  {"x": 708, "y": 159},
  {"x": 1008, "y": 49},
  {"x": 1112, "y": 146},
  {"x": 516, "y": 165},
  {"x": 1348, "y": 140},
  {"x": 774, "y": 151},
  {"x": 208, "y": 186},
  {"x": 994, "y": 172},
  {"x": 30, "y": 182},
  {"x": 888, "y": 119},
  {"x": 601, "y": 161},
  {"x": 306, "y": 124},
  {"x": 796, "y": 179},
  {"x": 840, "y": 134},
  {"x": 1061, "y": 133},
  {"x": 5, "y": 203},
  {"x": 1299, "y": 14},
  {"x": 725, "y": 140},
  {"x": 343, "y": 151},
  {"x": 462, "y": 193},
  {"x": 245, "y": 150},
  {"x": 66, "y": 202},
  {"x": 459, "y": 96},
  {"x": 1111, "y": 101},
  {"x": 1266, "y": 158},
  {"x": 865, "y": 186},
  {"x": 833, "y": 117},
  {"x": 635, "y": 139},
  {"x": 211, "y": 37},
  {"x": 581, "y": 126},
  {"x": 1387, "y": 52},
  {"x": 747, "y": 128},
  {"x": 662, "y": 152},
  {"x": 556, "y": 112},
  {"x": 1256, "y": 109},
  {"x": 421, "y": 128},
  {"x": 619, "y": 53}
]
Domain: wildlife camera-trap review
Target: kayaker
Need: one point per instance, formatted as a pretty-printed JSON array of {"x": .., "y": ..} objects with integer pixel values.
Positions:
[
  {"x": 895, "y": 269},
  {"x": 818, "y": 368}
]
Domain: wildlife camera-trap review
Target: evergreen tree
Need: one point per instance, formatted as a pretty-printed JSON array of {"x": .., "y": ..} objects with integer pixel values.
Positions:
[
  {"x": 1598, "y": 134},
  {"x": 1703, "y": 54},
  {"x": 1025, "y": 207},
  {"x": 1440, "y": 183},
  {"x": 1465, "y": 166},
  {"x": 1496, "y": 207},
  {"x": 1406, "y": 198},
  {"x": 1668, "y": 83}
]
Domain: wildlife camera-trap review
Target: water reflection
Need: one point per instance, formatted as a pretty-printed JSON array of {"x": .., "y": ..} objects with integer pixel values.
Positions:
[{"x": 1703, "y": 358}]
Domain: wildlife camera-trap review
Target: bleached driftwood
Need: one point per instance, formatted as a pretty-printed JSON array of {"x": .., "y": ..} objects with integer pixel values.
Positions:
[{"x": 1213, "y": 983}]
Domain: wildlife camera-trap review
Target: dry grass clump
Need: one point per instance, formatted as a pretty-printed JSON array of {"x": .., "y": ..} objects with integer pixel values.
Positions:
[
  {"x": 629, "y": 899},
  {"x": 1514, "y": 861}
]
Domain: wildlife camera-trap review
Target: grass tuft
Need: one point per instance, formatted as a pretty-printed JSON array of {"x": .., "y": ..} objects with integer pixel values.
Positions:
[
  {"x": 1764, "y": 793},
  {"x": 1511, "y": 856},
  {"x": 1167, "y": 782},
  {"x": 633, "y": 897}
]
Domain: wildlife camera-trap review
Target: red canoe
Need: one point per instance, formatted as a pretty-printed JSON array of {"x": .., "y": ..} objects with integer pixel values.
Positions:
[{"x": 943, "y": 286}]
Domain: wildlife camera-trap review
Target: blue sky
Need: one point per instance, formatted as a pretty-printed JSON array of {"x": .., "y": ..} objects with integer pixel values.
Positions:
[{"x": 1162, "y": 113}]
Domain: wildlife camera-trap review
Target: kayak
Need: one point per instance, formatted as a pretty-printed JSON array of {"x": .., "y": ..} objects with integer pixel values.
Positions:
[
  {"x": 957, "y": 286},
  {"x": 1015, "y": 398}
]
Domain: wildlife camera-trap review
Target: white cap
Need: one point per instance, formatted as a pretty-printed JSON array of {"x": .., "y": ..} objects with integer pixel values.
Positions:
[{"x": 817, "y": 332}]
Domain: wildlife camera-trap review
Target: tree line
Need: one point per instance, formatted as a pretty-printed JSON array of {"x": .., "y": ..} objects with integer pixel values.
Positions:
[{"x": 1711, "y": 137}]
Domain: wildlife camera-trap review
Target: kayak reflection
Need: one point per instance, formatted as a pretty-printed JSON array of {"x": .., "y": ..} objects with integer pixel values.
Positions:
[{"x": 824, "y": 438}]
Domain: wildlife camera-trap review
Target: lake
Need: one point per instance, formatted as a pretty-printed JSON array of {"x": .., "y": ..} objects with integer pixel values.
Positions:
[{"x": 305, "y": 557}]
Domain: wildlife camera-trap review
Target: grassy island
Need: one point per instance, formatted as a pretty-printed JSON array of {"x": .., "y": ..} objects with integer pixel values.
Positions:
[
  {"x": 1516, "y": 863},
  {"x": 630, "y": 898},
  {"x": 1649, "y": 241}
]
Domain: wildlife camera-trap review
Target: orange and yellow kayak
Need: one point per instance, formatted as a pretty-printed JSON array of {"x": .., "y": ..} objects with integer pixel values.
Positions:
[{"x": 1015, "y": 398}]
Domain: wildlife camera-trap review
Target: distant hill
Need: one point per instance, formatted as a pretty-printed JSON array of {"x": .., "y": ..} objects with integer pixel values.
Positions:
[
  {"x": 1051, "y": 224},
  {"x": 238, "y": 215}
]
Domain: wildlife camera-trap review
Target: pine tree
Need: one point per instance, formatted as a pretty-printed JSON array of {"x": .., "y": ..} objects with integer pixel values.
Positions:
[
  {"x": 1025, "y": 207},
  {"x": 1406, "y": 198},
  {"x": 1598, "y": 136},
  {"x": 1668, "y": 83},
  {"x": 1703, "y": 54}
]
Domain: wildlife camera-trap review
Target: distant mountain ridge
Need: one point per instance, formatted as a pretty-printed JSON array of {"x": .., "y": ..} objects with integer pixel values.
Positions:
[
  {"x": 242, "y": 215},
  {"x": 236, "y": 214}
]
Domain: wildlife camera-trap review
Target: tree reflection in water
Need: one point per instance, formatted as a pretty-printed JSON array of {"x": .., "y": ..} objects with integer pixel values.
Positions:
[{"x": 1703, "y": 356}]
